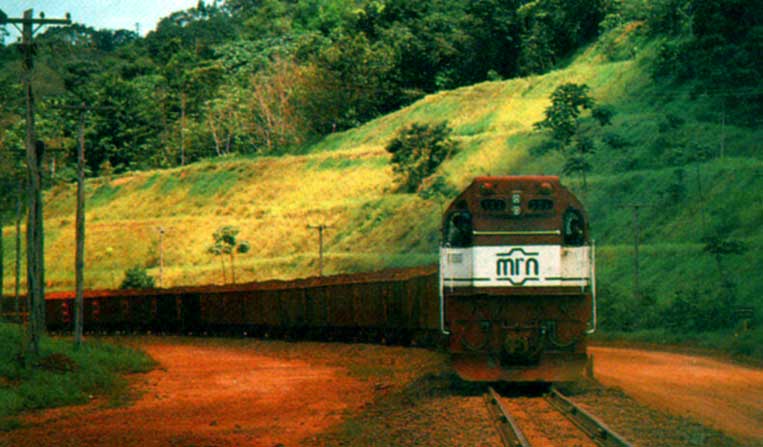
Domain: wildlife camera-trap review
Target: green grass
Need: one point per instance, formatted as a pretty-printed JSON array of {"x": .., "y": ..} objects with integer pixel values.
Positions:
[{"x": 97, "y": 371}]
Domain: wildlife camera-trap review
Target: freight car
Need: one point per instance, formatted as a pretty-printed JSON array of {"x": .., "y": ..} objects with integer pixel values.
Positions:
[
  {"x": 517, "y": 281},
  {"x": 395, "y": 306}
]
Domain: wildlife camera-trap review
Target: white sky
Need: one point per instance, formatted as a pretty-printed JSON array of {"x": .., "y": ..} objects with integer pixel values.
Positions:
[{"x": 112, "y": 14}]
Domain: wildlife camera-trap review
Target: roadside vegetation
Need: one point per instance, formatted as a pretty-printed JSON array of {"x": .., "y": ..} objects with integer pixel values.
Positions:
[
  {"x": 60, "y": 375},
  {"x": 662, "y": 144}
]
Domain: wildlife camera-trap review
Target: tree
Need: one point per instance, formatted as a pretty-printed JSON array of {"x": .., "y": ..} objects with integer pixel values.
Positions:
[
  {"x": 567, "y": 103},
  {"x": 347, "y": 83},
  {"x": 552, "y": 29},
  {"x": 226, "y": 243},
  {"x": 577, "y": 164},
  {"x": 273, "y": 119},
  {"x": 563, "y": 118},
  {"x": 418, "y": 150}
]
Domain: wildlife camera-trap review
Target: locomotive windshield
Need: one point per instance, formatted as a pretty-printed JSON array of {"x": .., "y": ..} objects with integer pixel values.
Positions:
[
  {"x": 573, "y": 227},
  {"x": 458, "y": 229}
]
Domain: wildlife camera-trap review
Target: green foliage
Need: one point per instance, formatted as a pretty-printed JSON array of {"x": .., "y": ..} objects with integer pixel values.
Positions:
[
  {"x": 437, "y": 187},
  {"x": 137, "y": 278},
  {"x": 563, "y": 116},
  {"x": 715, "y": 43},
  {"x": 551, "y": 29},
  {"x": 418, "y": 150},
  {"x": 61, "y": 376},
  {"x": 226, "y": 243},
  {"x": 567, "y": 102}
]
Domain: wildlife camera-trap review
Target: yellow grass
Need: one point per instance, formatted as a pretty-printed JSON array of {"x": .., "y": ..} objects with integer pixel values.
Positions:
[{"x": 273, "y": 199}]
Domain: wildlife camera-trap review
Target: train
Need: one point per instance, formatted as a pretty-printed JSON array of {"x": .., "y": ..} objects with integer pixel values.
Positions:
[
  {"x": 517, "y": 281},
  {"x": 512, "y": 299}
]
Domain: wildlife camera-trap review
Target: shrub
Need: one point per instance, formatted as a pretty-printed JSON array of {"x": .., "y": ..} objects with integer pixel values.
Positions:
[
  {"x": 418, "y": 150},
  {"x": 137, "y": 278}
]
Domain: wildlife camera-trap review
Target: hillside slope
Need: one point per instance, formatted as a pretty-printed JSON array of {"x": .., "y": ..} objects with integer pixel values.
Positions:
[{"x": 345, "y": 182}]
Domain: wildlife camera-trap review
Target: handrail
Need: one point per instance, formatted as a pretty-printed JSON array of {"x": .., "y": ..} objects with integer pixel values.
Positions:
[
  {"x": 592, "y": 267},
  {"x": 441, "y": 287}
]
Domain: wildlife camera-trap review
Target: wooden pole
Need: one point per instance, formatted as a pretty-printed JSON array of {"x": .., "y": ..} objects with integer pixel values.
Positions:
[
  {"x": 17, "y": 283},
  {"x": 79, "y": 262},
  {"x": 636, "y": 263},
  {"x": 34, "y": 154},
  {"x": 320, "y": 229}
]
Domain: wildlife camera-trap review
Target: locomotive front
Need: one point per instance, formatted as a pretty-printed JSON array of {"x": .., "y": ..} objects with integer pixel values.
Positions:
[{"x": 517, "y": 281}]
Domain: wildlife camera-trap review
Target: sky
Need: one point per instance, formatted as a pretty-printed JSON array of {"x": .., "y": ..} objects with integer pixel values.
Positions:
[{"x": 98, "y": 14}]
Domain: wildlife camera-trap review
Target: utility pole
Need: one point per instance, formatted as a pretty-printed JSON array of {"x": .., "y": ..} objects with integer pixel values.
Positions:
[
  {"x": 723, "y": 127},
  {"x": 320, "y": 229},
  {"x": 17, "y": 283},
  {"x": 161, "y": 254},
  {"x": 34, "y": 153},
  {"x": 636, "y": 241},
  {"x": 79, "y": 258},
  {"x": 79, "y": 261}
]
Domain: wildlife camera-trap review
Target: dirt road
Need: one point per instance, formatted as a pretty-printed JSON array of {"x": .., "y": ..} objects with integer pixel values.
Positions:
[
  {"x": 254, "y": 393},
  {"x": 207, "y": 396},
  {"x": 720, "y": 395}
]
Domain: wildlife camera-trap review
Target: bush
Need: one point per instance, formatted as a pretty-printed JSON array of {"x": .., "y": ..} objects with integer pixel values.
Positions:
[
  {"x": 437, "y": 187},
  {"x": 137, "y": 278},
  {"x": 418, "y": 150},
  {"x": 694, "y": 310}
]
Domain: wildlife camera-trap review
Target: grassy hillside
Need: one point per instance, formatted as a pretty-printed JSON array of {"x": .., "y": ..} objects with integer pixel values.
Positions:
[{"x": 345, "y": 181}]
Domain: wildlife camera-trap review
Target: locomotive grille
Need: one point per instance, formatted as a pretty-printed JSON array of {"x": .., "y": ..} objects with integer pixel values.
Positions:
[
  {"x": 540, "y": 205},
  {"x": 493, "y": 204}
]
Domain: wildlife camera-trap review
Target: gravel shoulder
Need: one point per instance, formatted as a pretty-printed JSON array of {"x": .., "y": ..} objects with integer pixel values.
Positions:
[{"x": 720, "y": 395}]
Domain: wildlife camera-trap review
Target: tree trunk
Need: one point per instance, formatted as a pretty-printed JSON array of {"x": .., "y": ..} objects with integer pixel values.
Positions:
[
  {"x": 182, "y": 128},
  {"x": 17, "y": 283},
  {"x": 232, "y": 268},
  {"x": 79, "y": 262},
  {"x": 216, "y": 138},
  {"x": 2, "y": 269}
]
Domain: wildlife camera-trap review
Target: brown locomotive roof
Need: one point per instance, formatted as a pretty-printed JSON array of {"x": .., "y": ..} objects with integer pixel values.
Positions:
[
  {"x": 486, "y": 222},
  {"x": 516, "y": 178}
]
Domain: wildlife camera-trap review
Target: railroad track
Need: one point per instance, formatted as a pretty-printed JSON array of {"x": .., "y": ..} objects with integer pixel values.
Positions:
[{"x": 591, "y": 427}]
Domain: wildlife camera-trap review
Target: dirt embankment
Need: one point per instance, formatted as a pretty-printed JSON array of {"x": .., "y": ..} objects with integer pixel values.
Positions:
[{"x": 720, "y": 395}]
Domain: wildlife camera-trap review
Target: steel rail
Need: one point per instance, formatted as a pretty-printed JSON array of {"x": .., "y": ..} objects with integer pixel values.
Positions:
[
  {"x": 507, "y": 428},
  {"x": 592, "y": 426}
]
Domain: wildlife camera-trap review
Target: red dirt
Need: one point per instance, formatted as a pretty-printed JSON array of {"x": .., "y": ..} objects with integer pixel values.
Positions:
[
  {"x": 207, "y": 396},
  {"x": 544, "y": 426},
  {"x": 720, "y": 395}
]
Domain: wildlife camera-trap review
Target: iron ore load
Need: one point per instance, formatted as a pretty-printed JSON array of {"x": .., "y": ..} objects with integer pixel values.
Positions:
[
  {"x": 512, "y": 299},
  {"x": 517, "y": 281}
]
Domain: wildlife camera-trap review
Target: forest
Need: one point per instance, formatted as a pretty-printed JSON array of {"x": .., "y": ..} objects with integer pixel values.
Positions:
[{"x": 267, "y": 77}]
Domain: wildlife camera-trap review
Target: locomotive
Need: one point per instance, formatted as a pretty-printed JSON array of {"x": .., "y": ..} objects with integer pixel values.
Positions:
[{"x": 517, "y": 281}]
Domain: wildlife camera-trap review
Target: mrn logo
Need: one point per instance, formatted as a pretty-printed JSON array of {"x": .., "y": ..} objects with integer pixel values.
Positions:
[{"x": 517, "y": 262}]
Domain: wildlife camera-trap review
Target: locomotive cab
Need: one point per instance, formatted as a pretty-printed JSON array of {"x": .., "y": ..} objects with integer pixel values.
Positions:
[{"x": 516, "y": 280}]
